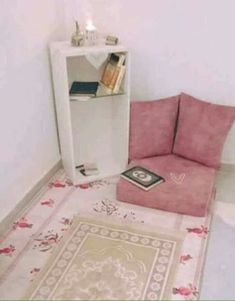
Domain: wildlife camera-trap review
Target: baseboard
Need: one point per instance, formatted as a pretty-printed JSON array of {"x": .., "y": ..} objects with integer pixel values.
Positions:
[
  {"x": 227, "y": 167},
  {"x": 28, "y": 198}
]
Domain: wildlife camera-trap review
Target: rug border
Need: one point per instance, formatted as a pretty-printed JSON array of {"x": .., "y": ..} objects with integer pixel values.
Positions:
[
  {"x": 176, "y": 234},
  {"x": 211, "y": 217}
]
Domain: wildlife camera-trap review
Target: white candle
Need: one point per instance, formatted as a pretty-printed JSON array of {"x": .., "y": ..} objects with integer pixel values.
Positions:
[
  {"x": 90, "y": 26},
  {"x": 90, "y": 33}
]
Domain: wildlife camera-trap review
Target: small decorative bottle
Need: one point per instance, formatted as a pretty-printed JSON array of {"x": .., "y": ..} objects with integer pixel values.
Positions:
[{"x": 78, "y": 37}]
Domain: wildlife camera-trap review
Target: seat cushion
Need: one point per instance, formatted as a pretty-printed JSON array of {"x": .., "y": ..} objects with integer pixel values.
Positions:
[
  {"x": 202, "y": 129},
  {"x": 187, "y": 189},
  {"x": 152, "y": 125}
]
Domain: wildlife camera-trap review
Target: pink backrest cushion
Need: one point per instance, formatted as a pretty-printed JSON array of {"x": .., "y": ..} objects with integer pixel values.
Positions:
[
  {"x": 152, "y": 126},
  {"x": 202, "y": 129}
]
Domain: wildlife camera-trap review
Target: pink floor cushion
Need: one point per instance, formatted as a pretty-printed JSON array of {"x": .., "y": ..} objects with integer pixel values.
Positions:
[
  {"x": 202, "y": 129},
  {"x": 188, "y": 186},
  {"x": 152, "y": 125}
]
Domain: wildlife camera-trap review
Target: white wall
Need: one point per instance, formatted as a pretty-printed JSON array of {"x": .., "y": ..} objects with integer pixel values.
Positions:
[
  {"x": 176, "y": 45},
  {"x": 29, "y": 146}
]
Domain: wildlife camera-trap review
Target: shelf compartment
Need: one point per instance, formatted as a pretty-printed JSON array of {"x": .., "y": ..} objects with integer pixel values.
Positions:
[
  {"x": 90, "y": 74},
  {"x": 100, "y": 131}
]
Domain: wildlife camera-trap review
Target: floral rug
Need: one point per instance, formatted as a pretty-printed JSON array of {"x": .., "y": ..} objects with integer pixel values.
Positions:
[
  {"x": 28, "y": 243},
  {"x": 110, "y": 261}
]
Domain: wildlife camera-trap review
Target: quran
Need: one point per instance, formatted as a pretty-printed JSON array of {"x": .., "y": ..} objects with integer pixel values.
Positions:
[{"x": 142, "y": 177}]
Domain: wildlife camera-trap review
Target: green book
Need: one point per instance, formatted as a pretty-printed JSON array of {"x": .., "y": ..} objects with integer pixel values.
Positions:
[
  {"x": 84, "y": 88},
  {"x": 142, "y": 177}
]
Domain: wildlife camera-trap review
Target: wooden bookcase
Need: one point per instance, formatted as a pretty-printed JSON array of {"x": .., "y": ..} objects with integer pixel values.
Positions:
[{"x": 95, "y": 130}]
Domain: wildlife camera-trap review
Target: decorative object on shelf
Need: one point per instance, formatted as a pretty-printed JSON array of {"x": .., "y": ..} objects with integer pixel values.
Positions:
[
  {"x": 91, "y": 34},
  {"x": 78, "y": 37},
  {"x": 111, "y": 40}
]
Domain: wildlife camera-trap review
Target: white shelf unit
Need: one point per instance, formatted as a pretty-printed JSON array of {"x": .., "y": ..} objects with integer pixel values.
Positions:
[{"x": 95, "y": 130}]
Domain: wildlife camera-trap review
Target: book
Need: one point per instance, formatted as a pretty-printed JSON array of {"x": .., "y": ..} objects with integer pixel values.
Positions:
[
  {"x": 83, "y": 88},
  {"x": 117, "y": 71},
  {"x": 119, "y": 79},
  {"x": 109, "y": 70},
  {"x": 112, "y": 69},
  {"x": 142, "y": 177},
  {"x": 88, "y": 169}
]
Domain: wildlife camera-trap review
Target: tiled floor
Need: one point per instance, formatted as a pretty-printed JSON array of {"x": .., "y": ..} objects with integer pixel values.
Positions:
[{"x": 218, "y": 276}]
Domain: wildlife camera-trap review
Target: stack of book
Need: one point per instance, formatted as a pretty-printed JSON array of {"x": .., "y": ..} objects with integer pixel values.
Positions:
[
  {"x": 83, "y": 89},
  {"x": 113, "y": 73},
  {"x": 88, "y": 169}
]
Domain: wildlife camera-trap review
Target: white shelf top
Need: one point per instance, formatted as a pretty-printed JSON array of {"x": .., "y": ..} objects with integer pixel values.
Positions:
[{"x": 67, "y": 50}]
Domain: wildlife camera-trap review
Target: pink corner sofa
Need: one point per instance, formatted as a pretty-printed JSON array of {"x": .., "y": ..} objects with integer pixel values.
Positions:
[{"x": 181, "y": 139}]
